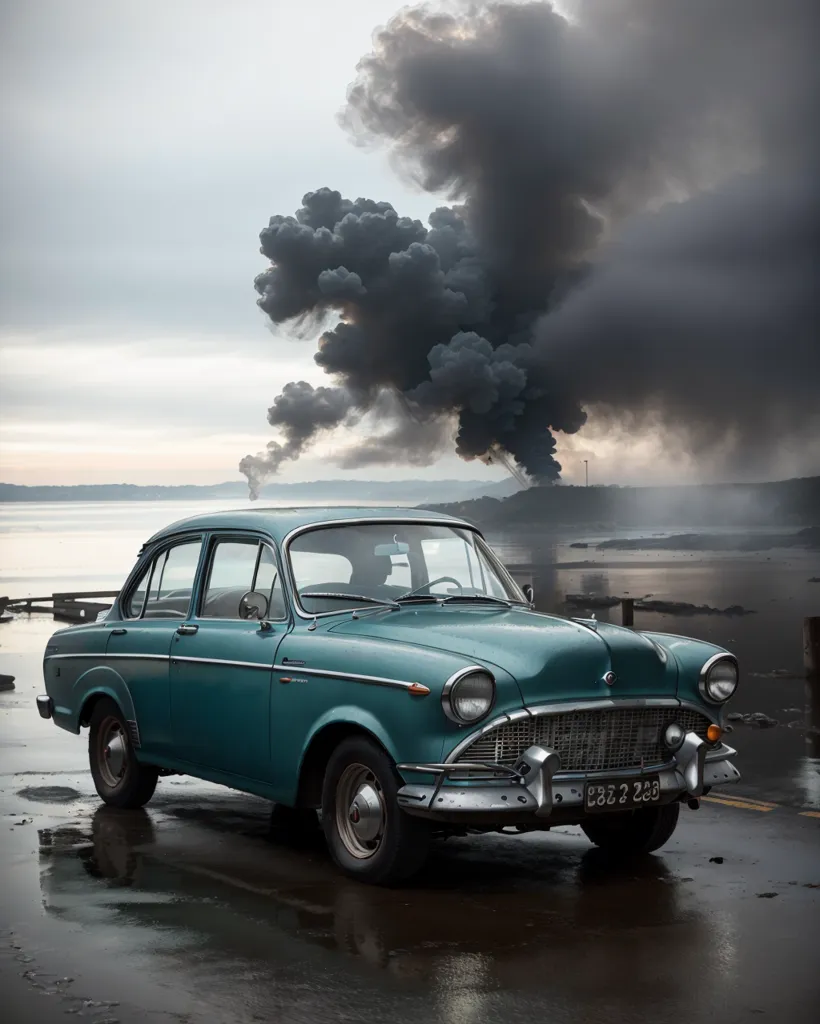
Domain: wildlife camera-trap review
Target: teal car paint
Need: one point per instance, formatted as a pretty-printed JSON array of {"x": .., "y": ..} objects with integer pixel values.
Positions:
[{"x": 382, "y": 665}]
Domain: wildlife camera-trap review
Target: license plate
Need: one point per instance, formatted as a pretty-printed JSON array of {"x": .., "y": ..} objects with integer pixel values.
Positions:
[{"x": 623, "y": 795}]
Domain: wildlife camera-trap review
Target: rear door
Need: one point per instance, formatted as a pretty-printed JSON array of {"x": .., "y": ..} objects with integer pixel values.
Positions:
[
  {"x": 153, "y": 606},
  {"x": 222, "y": 659}
]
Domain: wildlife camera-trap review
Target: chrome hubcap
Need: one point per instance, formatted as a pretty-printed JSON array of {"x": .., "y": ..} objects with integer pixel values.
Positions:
[
  {"x": 113, "y": 759},
  {"x": 360, "y": 814}
]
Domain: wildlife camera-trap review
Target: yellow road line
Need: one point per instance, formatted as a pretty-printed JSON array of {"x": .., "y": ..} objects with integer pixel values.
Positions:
[
  {"x": 748, "y": 800},
  {"x": 737, "y": 803},
  {"x": 810, "y": 814}
]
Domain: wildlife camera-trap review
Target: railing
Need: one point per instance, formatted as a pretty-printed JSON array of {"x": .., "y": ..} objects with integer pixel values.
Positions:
[{"x": 67, "y": 607}]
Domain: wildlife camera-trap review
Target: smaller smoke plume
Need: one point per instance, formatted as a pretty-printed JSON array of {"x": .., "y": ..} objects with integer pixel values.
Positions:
[{"x": 300, "y": 412}]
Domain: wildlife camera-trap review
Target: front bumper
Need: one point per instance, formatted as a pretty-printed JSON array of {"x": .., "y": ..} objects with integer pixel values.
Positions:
[{"x": 536, "y": 792}]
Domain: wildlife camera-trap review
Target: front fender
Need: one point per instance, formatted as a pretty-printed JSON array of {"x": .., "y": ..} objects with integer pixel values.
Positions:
[
  {"x": 690, "y": 655},
  {"x": 350, "y": 714}
]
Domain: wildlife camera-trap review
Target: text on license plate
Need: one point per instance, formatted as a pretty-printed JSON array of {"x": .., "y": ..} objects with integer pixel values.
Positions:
[{"x": 622, "y": 795}]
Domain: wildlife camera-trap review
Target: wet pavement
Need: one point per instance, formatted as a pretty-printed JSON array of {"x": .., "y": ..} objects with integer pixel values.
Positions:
[{"x": 190, "y": 911}]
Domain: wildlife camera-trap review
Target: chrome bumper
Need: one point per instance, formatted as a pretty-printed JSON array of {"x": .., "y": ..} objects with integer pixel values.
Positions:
[{"x": 535, "y": 788}]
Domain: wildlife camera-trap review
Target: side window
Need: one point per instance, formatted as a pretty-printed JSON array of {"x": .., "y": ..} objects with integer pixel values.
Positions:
[
  {"x": 269, "y": 583},
  {"x": 133, "y": 604},
  {"x": 172, "y": 580},
  {"x": 237, "y": 567}
]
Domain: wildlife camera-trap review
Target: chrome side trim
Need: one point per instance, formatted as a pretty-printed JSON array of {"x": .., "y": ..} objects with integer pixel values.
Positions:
[
  {"x": 364, "y": 521},
  {"x": 604, "y": 704},
  {"x": 352, "y": 677},
  {"x": 105, "y": 657},
  {"x": 223, "y": 661}
]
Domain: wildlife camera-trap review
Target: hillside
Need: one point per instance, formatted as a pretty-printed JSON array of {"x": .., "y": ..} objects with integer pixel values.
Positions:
[{"x": 783, "y": 503}]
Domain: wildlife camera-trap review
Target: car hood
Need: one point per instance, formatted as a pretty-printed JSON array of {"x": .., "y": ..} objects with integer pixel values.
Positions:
[{"x": 551, "y": 658}]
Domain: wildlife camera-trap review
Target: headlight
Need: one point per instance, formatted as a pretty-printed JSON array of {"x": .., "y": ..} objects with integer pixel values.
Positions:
[
  {"x": 468, "y": 695},
  {"x": 718, "y": 678}
]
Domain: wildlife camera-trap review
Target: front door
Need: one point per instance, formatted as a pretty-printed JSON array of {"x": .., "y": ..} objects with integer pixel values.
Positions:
[{"x": 222, "y": 661}]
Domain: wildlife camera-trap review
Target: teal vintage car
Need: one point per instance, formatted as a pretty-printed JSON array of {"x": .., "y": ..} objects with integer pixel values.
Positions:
[{"x": 382, "y": 665}]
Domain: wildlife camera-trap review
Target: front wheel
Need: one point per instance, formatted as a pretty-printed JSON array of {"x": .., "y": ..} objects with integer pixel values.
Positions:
[
  {"x": 369, "y": 836},
  {"x": 633, "y": 832},
  {"x": 119, "y": 778}
]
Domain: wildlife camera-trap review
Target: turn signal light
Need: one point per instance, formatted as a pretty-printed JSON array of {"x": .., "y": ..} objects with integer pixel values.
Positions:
[{"x": 713, "y": 733}]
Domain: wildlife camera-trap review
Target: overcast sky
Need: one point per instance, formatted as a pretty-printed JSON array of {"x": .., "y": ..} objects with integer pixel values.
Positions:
[{"x": 146, "y": 144}]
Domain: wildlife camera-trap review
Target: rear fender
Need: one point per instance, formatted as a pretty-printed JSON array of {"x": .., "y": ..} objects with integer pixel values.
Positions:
[{"x": 97, "y": 682}]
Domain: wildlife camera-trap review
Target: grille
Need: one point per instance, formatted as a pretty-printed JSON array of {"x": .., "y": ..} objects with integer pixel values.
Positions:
[{"x": 589, "y": 741}]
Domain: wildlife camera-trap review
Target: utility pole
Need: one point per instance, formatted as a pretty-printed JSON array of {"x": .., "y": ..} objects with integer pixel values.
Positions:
[{"x": 586, "y": 468}]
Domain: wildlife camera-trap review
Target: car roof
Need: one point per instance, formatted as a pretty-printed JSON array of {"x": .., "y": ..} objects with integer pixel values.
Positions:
[{"x": 279, "y": 522}]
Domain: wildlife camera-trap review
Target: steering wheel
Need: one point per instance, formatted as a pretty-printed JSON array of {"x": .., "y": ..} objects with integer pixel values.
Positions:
[{"x": 442, "y": 579}]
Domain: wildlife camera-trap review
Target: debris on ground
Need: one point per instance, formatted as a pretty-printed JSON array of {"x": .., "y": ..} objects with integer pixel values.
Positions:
[
  {"x": 805, "y": 538},
  {"x": 643, "y": 604},
  {"x": 715, "y": 860},
  {"x": 766, "y": 895},
  {"x": 6, "y": 682},
  {"x": 756, "y": 719}
]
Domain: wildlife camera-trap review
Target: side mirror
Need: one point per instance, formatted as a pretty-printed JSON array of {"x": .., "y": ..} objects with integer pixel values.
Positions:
[
  {"x": 253, "y": 605},
  {"x": 528, "y": 592}
]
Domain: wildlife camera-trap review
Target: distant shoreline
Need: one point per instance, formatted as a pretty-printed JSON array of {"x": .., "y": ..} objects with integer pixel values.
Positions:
[{"x": 412, "y": 492}]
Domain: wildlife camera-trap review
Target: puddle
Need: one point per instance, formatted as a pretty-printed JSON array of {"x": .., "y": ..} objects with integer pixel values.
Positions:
[{"x": 50, "y": 794}]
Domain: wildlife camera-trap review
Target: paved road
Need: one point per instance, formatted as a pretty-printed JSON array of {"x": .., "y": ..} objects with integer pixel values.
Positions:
[{"x": 189, "y": 911}]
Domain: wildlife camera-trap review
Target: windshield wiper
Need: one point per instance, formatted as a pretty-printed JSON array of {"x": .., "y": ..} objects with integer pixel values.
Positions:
[
  {"x": 420, "y": 598},
  {"x": 477, "y": 597},
  {"x": 351, "y": 597}
]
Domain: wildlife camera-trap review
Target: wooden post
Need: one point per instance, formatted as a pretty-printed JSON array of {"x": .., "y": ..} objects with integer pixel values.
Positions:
[
  {"x": 811, "y": 661},
  {"x": 628, "y": 611},
  {"x": 811, "y": 648}
]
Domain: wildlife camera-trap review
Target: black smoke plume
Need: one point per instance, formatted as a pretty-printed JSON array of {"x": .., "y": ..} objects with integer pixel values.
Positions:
[{"x": 637, "y": 234}]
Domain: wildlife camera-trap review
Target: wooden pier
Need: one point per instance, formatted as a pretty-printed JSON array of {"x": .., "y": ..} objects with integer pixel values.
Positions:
[{"x": 74, "y": 607}]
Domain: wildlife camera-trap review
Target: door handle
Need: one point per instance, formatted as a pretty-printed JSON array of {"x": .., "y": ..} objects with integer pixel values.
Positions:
[
  {"x": 187, "y": 629},
  {"x": 118, "y": 632}
]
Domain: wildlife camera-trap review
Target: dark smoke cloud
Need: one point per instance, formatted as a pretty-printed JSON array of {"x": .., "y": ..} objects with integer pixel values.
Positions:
[{"x": 638, "y": 232}]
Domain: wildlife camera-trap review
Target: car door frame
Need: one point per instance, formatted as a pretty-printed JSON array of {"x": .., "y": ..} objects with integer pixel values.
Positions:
[{"x": 179, "y": 676}]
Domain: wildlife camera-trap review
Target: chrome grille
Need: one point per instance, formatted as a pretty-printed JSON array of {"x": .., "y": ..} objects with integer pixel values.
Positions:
[{"x": 589, "y": 741}]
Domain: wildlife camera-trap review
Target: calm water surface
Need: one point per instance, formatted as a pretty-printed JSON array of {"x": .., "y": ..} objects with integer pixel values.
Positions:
[{"x": 92, "y": 546}]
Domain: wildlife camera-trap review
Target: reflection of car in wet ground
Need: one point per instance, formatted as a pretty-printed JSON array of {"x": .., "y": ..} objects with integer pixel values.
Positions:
[
  {"x": 524, "y": 919},
  {"x": 382, "y": 665}
]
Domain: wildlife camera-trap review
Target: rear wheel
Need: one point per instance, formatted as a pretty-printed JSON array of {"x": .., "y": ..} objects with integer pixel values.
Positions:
[
  {"x": 369, "y": 836},
  {"x": 634, "y": 832},
  {"x": 119, "y": 778}
]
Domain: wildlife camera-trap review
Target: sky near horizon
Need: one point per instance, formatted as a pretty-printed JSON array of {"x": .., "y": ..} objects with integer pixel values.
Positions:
[{"x": 146, "y": 145}]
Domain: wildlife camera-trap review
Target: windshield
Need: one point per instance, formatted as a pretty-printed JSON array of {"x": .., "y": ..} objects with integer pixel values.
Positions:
[{"x": 354, "y": 566}]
